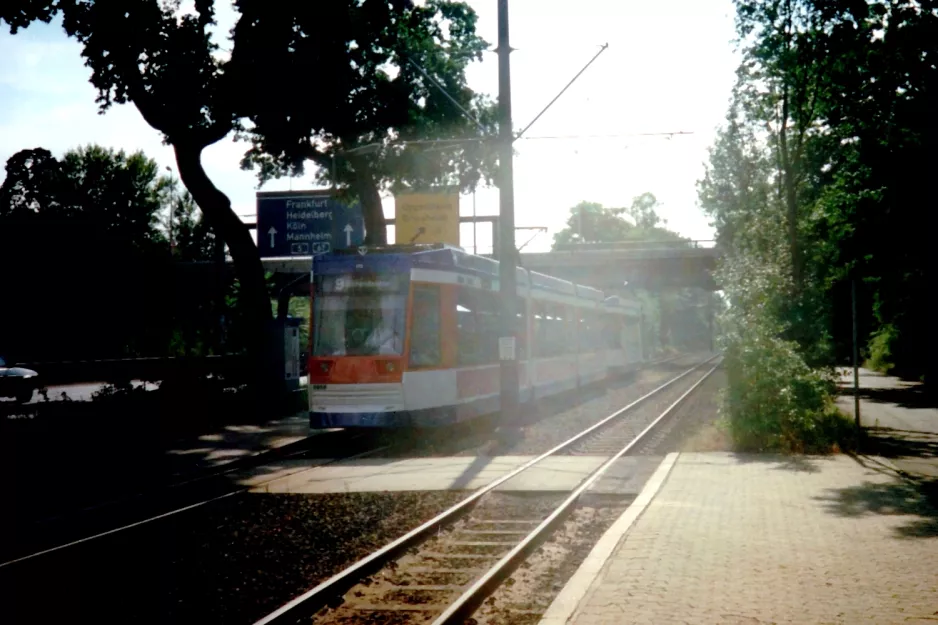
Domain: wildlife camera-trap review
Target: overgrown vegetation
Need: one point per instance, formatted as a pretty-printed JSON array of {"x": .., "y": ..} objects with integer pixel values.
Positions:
[{"x": 811, "y": 186}]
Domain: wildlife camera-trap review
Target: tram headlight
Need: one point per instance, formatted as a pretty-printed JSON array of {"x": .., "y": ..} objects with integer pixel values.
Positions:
[{"x": 386, "y": 366}]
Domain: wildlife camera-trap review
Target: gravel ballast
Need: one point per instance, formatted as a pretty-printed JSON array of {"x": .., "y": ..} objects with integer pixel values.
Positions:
[
  {"x": 233, "y": 562},
  {"x": 236, "y": 560},
  {"x": 557, "y": 419}
]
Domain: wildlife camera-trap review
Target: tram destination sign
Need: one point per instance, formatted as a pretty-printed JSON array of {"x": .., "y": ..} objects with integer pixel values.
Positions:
[{"x": 305, "y": 223}]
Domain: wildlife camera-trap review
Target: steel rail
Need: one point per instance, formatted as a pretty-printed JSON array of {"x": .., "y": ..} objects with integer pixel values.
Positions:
[
  {"x": 470, "y": 600},
  {"x": 314, "y": 599},
  {"x": 242, "y": 464}
]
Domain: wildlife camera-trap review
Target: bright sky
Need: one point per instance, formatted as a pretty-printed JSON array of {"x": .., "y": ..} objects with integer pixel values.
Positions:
[{"x": 669, "y": 68}]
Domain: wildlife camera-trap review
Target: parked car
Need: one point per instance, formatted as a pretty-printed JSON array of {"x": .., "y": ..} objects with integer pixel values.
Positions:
[{"x": 17, "y": 382}]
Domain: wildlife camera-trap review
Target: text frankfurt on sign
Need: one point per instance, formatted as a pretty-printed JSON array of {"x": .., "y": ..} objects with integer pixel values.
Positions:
[
  {"x": 427, "y": 217},
  {"x": 305, "y": 223}
]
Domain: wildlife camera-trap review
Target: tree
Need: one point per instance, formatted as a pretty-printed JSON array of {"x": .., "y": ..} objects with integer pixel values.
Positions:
[
  {"x": 590, "y": 222},
  {"x": 165, "y": 63},
  {"x": 21, "y": 13},
  {"x": 83, "y": 233},
  {"x": 30, "y": 185},
  {"x": 192, "y": 237},
  {"x": 118, "y": 194},
  {"x": 858, "y": 80},
  {"x": 150, "y": 54},
  {"x": 94, "y": 268},
  {"x": 383, "y": 116},
  {"x": 643, "y": 213},
  {"x": 879, "y": 108},
  {"x": 826, "y": 141},
  {"x": 781, "y": 80}
]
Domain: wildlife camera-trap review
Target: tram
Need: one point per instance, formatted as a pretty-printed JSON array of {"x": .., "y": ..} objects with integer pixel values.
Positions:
[{"x": 407, "y": 336}]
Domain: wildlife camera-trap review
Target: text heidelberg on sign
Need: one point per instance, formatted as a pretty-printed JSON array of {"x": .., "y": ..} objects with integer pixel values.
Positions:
[{"x": 305, "y": 223}]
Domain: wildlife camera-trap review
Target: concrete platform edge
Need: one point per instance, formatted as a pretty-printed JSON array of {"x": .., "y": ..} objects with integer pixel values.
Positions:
[{"x": 565, "y": 604}]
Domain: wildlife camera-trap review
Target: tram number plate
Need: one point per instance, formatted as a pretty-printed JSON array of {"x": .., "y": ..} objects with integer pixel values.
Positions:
[{"x": 318, "y": 387}]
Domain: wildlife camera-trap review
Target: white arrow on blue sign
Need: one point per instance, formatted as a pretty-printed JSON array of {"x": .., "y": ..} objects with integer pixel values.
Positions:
[{"x": 306, "y": 223}]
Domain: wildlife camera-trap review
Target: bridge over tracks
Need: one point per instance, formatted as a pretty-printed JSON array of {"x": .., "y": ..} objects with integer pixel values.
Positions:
[{"x": 642, "y": 264}]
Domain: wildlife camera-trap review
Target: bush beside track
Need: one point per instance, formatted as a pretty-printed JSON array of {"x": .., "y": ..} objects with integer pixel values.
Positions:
[{"x": 774, "y": 401}]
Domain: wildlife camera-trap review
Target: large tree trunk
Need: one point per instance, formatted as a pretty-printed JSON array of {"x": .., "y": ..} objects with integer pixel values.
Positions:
[
  {"x": 366, "y": 188},
  {"x": 254, "y": 298}
]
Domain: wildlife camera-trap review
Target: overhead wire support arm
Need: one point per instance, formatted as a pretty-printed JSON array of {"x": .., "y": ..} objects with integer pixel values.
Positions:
[
  {"x": 436, "y": 84},
  {"x": 562, "y": 91},
  {"x": 537, "y": 229}
]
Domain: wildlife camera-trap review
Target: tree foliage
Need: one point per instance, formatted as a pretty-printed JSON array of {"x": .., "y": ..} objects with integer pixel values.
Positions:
[
  {"x": 21, "y": 13},
  {"x": 375, "y": 120},
  {"x": 816, "y": 181},
  {"x": 164, "y": 61},
  {"x": 88, "y": 261},
  {"x": 191, "y": 237},
  {"x": 590, "y": 222}
]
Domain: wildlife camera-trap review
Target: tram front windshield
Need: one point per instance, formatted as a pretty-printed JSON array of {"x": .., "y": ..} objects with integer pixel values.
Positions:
[{"x": 359, "y": 315}]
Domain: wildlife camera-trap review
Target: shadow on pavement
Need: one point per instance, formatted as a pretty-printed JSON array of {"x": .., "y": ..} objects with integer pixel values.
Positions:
[
  {"x": 913, "y": 465},
  {"x": 913, "y": 495},
  {"x": 796, "y": 464},
  {"x": 906, "y": 396},
  {"x": 893, "y": 443},
  {"x": 904, "y": 497}
]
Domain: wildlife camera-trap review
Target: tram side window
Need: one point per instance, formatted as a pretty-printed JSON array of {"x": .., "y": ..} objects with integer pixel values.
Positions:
[
  {"x": 550, "y": 329},
  {"x": 599, "y": 331},
  {"x": 538, "y": 329},
  {"x": 612, "y": 335},
  {"x": 565, "y": 324},
  {"x": 585, "y": 330},
  {"x": 595, "y": 337},
  {"x": 477, "y": 323},
  {"x": 546, "y": 329},
  {"x": 521, "y": 329},
  {"x": 425, "y": 327}
]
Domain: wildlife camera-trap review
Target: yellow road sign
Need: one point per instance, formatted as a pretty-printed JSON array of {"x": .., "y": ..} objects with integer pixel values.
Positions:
[{"x": 427, "y": 218}]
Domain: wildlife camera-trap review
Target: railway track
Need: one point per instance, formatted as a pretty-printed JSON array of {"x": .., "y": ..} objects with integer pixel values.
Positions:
[
  {"x": 189, "y": 493},
  {"x": 444, "y": 569},
  {"x": 175, "y": 498}
]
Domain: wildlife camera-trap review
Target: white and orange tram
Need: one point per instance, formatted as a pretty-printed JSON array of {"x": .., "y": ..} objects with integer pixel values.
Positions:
[{"x": 407, "y": 336}]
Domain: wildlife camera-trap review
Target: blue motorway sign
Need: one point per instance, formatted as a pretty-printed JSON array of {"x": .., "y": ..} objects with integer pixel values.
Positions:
[{"x": 305, "y": 223}]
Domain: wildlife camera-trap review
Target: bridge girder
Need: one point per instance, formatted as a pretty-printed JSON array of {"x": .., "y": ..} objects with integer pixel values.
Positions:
[{"x": 652, "y": 269}]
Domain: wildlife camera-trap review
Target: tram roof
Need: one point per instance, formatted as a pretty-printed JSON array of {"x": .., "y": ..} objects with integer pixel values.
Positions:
[{"x": 446, "y": 257}]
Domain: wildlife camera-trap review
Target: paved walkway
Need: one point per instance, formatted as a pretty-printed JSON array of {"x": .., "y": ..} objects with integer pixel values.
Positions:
[
  {"x": 758, "y": 539},
  {"x": 234, "y": 442},
  {"x": 900, "y": 420},
  {"x": 362, "y": 475},
  {"x": 727, "y": 538}
]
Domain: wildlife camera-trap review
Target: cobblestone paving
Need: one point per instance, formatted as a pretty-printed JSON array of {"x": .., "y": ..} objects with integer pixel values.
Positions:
[{"x": 759, "y": 539}]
